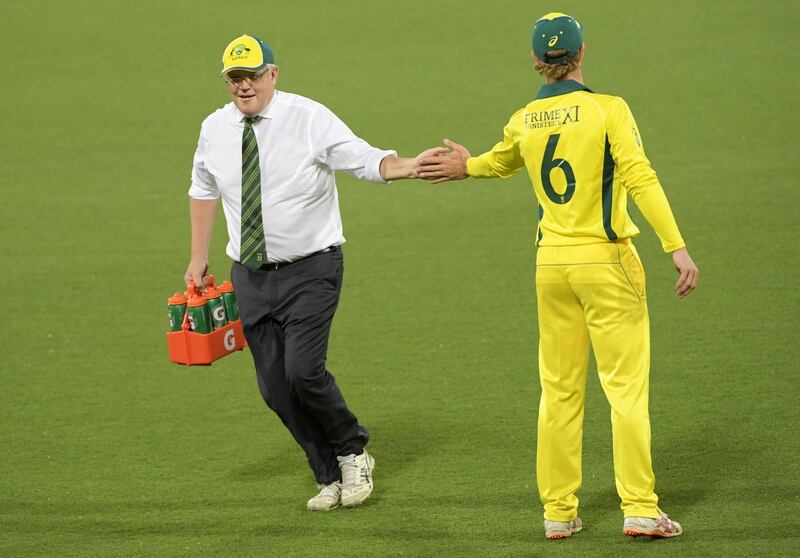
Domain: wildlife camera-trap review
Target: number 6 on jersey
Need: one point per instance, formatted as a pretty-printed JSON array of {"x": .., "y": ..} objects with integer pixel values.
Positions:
[{"x": 548, "y": 164}]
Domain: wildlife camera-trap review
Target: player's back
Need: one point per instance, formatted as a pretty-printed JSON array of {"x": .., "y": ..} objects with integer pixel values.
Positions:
[{"x": 565, "y": 140}]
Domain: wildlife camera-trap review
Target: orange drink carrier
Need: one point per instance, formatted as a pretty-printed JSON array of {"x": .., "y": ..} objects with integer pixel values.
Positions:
[{"x": 193, "y": 349}]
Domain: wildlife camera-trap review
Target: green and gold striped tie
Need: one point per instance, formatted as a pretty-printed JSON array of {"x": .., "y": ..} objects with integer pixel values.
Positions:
[{"x": 253, "y": 251}]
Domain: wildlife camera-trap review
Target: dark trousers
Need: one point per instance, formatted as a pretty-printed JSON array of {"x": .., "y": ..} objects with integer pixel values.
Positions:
[{"x": 286, "y": 314}]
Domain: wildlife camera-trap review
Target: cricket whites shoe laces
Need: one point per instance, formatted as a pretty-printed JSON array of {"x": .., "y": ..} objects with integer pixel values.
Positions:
[
  {"x": 562, "y": 529},
  {"x": 356, "y": 477},
  {"x": 328, "y": 498},
  {"x": 661, "y": 526}
]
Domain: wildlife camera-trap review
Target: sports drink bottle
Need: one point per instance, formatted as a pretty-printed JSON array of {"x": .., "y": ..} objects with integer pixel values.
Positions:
[
  {"x": 229, "y": 299},
  {"x": 176, "y": 309},
  {"x": 199, "y": 317},
  {"x": 216, "y": 308}
]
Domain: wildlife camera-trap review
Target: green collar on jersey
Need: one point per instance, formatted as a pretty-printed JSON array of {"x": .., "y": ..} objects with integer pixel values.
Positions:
[{"x": 560, "y": 87}]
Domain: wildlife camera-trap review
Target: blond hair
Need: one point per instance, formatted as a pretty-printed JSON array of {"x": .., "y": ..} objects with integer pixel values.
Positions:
[{"x": 560, "y": 69}]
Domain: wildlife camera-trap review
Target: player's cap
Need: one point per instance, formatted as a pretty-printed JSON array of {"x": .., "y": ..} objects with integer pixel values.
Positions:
[
  {"x": 246, "y": 53},
  {"x": 557, "y": 31}
]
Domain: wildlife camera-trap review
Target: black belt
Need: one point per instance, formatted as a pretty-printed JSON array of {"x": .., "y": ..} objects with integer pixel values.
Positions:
[{"x": 278, "y": 265}]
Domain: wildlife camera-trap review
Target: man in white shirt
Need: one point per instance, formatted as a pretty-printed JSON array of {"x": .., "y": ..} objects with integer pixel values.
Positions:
[{"x": 271, "y": 156}]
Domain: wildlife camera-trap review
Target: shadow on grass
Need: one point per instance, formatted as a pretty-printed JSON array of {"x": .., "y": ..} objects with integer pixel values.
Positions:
[{"x": 285, "y": 460}]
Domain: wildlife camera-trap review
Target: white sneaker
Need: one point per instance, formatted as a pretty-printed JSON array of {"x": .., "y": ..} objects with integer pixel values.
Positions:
[
  {"x": 562, "y": 529},
  {"x": 662, "y": 527},
  {"x": 328, "y": 498},
  {"x": 356, "y": 477}
]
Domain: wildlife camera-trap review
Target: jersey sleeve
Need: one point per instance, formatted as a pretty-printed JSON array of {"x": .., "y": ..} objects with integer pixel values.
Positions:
[
  {"x": 203, "y": 187},
  {"x": 639, "y": 178},
  {"x": 503, "y": 160}
]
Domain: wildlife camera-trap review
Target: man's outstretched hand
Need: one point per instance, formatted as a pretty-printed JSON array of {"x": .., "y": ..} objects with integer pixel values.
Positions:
[
  {"x": 395, "y": 168},
  {"x": 445, "y": 166}
]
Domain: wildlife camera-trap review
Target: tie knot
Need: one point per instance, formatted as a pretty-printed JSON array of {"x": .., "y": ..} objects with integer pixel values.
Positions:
[{"x": 249, "y": 121}]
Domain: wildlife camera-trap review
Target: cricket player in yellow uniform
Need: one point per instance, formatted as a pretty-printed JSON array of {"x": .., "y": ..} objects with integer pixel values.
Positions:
[{"x": 584, "y": 154}]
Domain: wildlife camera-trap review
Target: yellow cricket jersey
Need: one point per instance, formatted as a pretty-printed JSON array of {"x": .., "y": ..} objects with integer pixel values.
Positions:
[{"x": 583, "y": 152}]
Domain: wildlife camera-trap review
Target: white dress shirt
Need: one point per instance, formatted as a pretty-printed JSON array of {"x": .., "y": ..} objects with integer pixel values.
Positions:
[{"x": 300, "y": 145}]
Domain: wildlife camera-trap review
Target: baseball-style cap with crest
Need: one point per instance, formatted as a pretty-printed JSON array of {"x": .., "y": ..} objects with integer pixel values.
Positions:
[
  {"x": 246, "y": 53},
  {"x": 556, "y": 31}
]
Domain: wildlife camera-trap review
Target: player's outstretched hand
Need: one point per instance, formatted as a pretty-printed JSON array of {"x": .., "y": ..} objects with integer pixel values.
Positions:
[
  {"x": 445, "y": 166},
  {"x": 687, "y": 270}
]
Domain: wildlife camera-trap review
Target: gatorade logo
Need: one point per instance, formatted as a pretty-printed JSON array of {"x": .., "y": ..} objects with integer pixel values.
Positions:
[
  {"x": 229, "y": 340},
  {"x": 219, "y": 313},
  {"x": 552, "y": 42}
]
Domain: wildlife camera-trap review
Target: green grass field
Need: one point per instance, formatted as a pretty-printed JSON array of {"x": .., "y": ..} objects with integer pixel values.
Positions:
[{"x": 107, "y": 449}]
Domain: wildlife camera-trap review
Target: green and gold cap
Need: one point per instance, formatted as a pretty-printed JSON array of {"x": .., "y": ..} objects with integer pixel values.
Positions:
[
  {"x": 556, "y": 30},
  {"x": 246, "y": 53}
]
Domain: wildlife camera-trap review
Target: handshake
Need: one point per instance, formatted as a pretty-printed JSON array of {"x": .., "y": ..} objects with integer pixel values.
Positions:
[{"x": 438, "y": 164}]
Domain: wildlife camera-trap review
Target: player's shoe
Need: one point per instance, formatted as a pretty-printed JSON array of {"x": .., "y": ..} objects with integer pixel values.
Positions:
[
  {"x": 562, "y": 529},
  {"x": 356, "y": 477},
  {"x": 328, "y": 498},
  {"x": 661, "y": 526}
]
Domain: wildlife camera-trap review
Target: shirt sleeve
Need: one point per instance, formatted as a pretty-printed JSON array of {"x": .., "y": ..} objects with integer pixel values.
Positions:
[
  {"x": 639, "y": 178},
  {"x": 203, "y": 187},
  {"x": 333, "y": 144},
  {"x": 503, "y": 160}
]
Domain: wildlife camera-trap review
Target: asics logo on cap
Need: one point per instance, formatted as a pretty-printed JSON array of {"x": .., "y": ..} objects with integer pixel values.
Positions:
[{"x": 553, "y": 40}]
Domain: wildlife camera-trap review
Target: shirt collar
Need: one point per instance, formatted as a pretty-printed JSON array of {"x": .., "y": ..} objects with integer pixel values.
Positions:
[
  {"x": 268, "y": 111},
  {"x": 559, "y": 88}
]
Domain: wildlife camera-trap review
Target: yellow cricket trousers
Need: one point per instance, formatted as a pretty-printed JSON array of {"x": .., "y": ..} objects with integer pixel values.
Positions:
[{"x": 593, "y": 294}]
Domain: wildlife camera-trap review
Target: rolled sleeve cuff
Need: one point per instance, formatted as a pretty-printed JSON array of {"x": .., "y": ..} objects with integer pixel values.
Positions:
[
  {"x": 372, "y": 169},
  {"x": 199, "y": 193}
]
